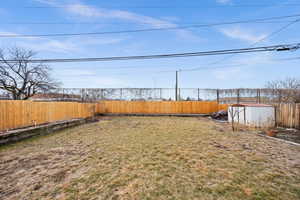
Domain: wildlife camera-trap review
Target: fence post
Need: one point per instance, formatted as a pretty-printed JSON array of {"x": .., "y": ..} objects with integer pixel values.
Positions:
[
  {"x": 218, "y": 96},
  {"x": 63, "y": 94},
  {"x": 258, "y": 96},
  {"x": 238, "y": 96},
  {"x": 121, "y": 94},
  {"x": 160, "y": 93},
  {"x": 279, "y": 96},
  {"x": 82, "y": 95},
  {"x": 298, "y": 108},
  {"x": 198, "y": 94},
  {"x": 176, "y": 87},
  {"x": 295, "y": 117},
  {"x": 276, "y": 112},
  {"x": 101, "y": 94}
]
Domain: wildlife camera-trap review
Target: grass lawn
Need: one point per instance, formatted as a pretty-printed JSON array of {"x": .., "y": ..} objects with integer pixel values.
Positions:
[{"x": 150, "y": 158}]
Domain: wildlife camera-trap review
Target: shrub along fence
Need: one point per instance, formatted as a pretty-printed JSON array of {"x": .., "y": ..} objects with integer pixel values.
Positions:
[{"x": 16, "y": 114}]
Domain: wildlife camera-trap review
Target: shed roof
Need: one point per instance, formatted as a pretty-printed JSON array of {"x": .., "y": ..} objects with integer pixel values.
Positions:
[{"x": 251, "y": 105}]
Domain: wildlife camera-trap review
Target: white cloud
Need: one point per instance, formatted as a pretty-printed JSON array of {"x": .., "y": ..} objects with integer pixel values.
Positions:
[
  {"x": 66, "y": 46},
  {"x": 49, "y": 2},
  {"x": 86, "y": 11},
  {"x": 13, "y": 34},
  {"x": 83, "y": 10},
  {"x": 8, "y": 33},
  {"x": 54, "y": 46},
  {"x": 224, "y": 1},
  {"x": 58, "y": 46},
  {"x": 242, "y": 34},
  {"x": 39, "y": 44}
]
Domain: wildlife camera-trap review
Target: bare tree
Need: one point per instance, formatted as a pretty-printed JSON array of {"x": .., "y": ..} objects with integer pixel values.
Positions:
[
  {"x": 287, "y": 90},
  {"x": 21, "y": 78}
]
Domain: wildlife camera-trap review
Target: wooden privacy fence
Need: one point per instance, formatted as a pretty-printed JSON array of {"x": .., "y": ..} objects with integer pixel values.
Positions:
[
  {"x": 288, "y": 115},
  {"x": 16, "y": 114},
  {"x": 159, "y": 107}
]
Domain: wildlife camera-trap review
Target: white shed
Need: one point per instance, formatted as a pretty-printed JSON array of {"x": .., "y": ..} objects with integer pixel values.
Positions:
[{"x": 256, "y": 115}]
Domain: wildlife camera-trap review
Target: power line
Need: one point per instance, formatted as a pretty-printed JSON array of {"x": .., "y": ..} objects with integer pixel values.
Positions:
[
  {"x": 238, "y": 65},
  {"x": 268, "y": 36},
  {"x": 210, "y": 68},
  {"x": 199, "y": 68},
  {"x": 263, "y": 39},
  {"x": 168, "y": 6},
  {"x": 146, "y": 30},
  {"x": 126, "y": 23},
  {"x": 206, "y": 68},
  {"x": 282, "y": 47}
]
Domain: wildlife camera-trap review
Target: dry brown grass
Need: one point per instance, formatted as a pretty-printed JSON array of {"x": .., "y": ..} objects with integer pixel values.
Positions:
[{"x": 150, "y": 158}]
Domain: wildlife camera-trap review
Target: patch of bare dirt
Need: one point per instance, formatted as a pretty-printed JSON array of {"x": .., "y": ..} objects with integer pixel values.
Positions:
[{"x": 37, "y": 171}]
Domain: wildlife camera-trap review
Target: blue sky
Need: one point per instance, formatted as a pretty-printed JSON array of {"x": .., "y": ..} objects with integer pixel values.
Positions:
[{"x": 252, "y": 70}]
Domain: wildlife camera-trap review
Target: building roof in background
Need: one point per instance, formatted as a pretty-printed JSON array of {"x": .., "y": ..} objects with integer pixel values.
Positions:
[{"x": 55, "y": 96}]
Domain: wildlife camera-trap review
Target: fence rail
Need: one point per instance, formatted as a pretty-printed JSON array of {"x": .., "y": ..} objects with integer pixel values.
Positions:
[{"x": 16, "y": 114}]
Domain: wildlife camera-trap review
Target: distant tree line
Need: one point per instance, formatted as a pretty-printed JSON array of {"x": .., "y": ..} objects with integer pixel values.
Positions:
[{"x": 287, "y": 89}]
